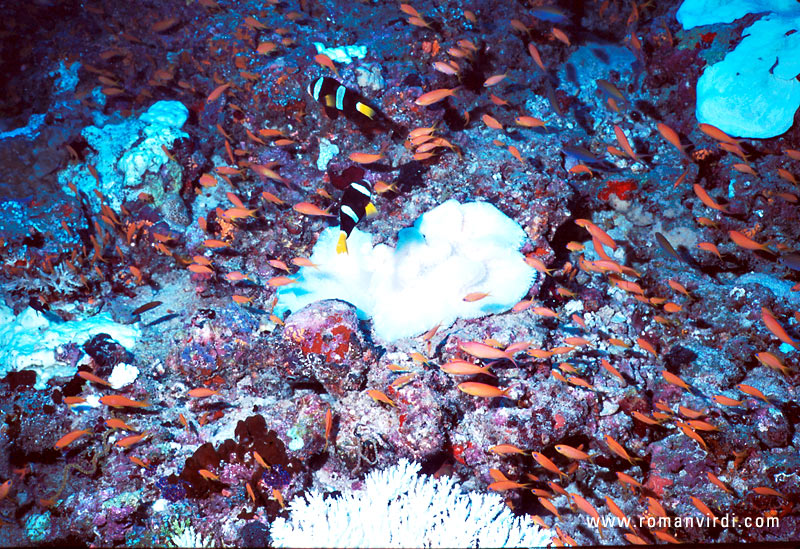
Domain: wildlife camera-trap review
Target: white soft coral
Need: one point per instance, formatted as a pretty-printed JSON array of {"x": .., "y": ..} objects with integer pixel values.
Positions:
[
  {"x": 397, "y": 507},
  {"x": 451, "y": 251}
]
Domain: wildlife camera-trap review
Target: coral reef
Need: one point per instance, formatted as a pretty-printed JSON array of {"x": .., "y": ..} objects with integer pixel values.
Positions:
[{"x": 565, "y": 296}]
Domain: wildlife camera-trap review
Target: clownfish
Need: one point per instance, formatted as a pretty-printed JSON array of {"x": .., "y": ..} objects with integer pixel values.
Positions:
[
  {"x": 356, "y": 203},
  {"x": 336, "y": 97}
]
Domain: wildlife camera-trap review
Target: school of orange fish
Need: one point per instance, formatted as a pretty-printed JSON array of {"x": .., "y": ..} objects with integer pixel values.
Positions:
[{"x": 627, "y": 376}]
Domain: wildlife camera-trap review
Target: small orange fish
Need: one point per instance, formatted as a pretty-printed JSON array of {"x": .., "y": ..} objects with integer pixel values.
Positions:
[
  {"x": 504, "y": 485},
  {"x": 208, "y": 475},
  {"x": 491, "y": 122},
  {"x": 624, "y": 143},
  {"x": 537, "y": 58},
  {"x": 709, "y": 247},
  {"x": 772, "y": 361},
  {"x": 746, "y": 242},
  {"x": 202, "y": 392},
  {"x": 775, "y": 327},
  {"x": 699, "y": 425},
  {"x": 73, "y": 400},
  {"x": 214, "y": 243},
  {"x": 529, "y": 122},
  {"x": 328, "y": 427},
  {"x": 365, "y": 158},
  {"x": 446, "y": 68},
  {"x": 689, "y": 432},
  {"x": 435, "y": 96},
  {"x": 93, "y": 378},
  {"x": 482, "y": 390},
  {"x": 727, "y": 401},
  {"x": 380, "y": 396},
  {"x": 138, "y": 461},
  {"x": 643, "y": 418},
  {"x": 326, "y": 62},
  {"x": 494, "y": 80},
  {"x": 70, "y": 437},
  {"x": 706, "y": 199},
  {"x": 238, "y": 213},
  {"x": 115, "y": 423},
  {"x": 647, "y": 346},
  {"x": 506, "y": 449},
  {"x": 549, "y": 506},
  {"x": 200, "y": 269},
  {"x": 597, "y": 232},
  {"x": 306, "y": 208},
  {"x": 560, "y": 35},
  {"x": 250, "y": 492},
  {"x": 572, "y": 453},
  {"x": 219, "y": 90},
  {"x": 483, "y": 351},
  {"x": 475, "y": 296},
  {"x": 717, "y": 482},
  {"x": 674, "y": 380},
  {"x": 5, "y": 488},
  {"x": 671, "y": 135},
  {"x": 765, "y": 491},
  {"x": 589, "y": 509},
  {"x": 715, "y": 133},
  {"x": 627, "y": 479},
  {"x": 610, "y": 369},
  {"x": 278, "y": 264},
  {"x": 752, "y": 391},
  {"x": 119, "y": 401},
  {"x": 269, "y": 197},
  {"x": 130, "y": 440},
  {"x": 744, "y": 168},
  {"x": 618, "y": 449},
  {"x": 277, "y": 281},
  {"x": 381, "y": 187},
  {"x": 304, "y": 262},
  {"x": 464, "y": 368},
  {"x": 546, "y": 463}
]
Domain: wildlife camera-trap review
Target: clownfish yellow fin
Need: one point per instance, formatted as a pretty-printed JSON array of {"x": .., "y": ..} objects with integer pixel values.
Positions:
[
  {"x": 341, "y": 245},
  {"x": 329, "y": 100},
  {"x": 370, "y": 209},
  {"x": 366, "y": 110}
]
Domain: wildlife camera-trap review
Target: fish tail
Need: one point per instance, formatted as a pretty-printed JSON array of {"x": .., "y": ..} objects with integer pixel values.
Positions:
[{"x": 341, "y": 245}]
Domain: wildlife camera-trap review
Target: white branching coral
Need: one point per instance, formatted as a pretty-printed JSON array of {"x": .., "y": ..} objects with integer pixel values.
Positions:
[
  {"x": 399, "y": 508},
  {"x": 184, "y": 535}
]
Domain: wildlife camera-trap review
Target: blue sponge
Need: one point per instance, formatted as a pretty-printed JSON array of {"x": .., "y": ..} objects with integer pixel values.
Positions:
[{"x": 753, "y": 92}]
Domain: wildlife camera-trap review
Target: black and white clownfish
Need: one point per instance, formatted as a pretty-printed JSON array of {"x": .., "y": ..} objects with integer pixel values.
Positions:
[
  {"x": 356, "y": 203},
  {"x": 336, "y": 97}
]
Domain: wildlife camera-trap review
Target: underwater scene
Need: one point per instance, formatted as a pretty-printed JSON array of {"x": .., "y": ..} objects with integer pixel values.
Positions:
[{"x": 315, "y": 273}]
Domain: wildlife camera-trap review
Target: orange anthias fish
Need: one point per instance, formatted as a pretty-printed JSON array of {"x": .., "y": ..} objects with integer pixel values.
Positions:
[
  {"x": 70, "y": 437},
  {"x": 743, "y": 241},
  {"x": 326, "y": 62},
  {"x": 464, "y": 368},
  {"x": 775, "y": 327},
  {"x": 545, "y": 462},
  {"x": 88, "y": 376},
  {"x": 202, "y": 392},
  {"x": 572, "y": 453},
  {"x": 119, "y": 401},
  {"x": 481, "y": 350},
  {"x": 115, "y": 423},
  {"x": 618, "y": 449},
  {"x": 365, "y": 158},
  {"x": 130, "y": 440},
  {"x": 306, "y": 208},
  {"x": 482, "y": 390},
  {"x": 380, "y": 396},
  {"x": 435, "y": 96},
  {"x": 625, "y": 144},
  {"x": 506, "y": 449}
]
